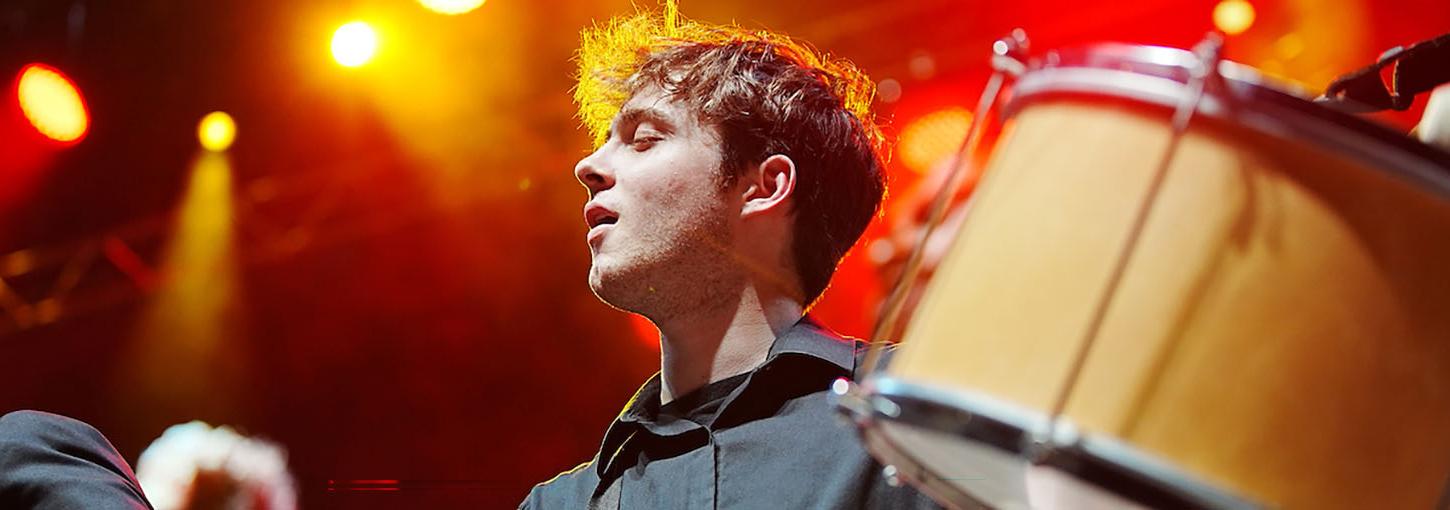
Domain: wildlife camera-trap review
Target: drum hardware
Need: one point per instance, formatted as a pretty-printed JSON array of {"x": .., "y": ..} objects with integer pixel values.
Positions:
[
  {"x": 1009, "y": 55},
  {"x": 1416, "y": 69},
  {"x": 1203, "y": 72},
  {"x": 890, "y": 474},
  {"x": 1029, "y": 445},
  {"x": 1434, "y": 126}
]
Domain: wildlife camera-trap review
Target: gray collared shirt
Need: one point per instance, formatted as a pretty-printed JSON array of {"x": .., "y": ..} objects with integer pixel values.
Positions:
[{"x": 775, "y": 442}]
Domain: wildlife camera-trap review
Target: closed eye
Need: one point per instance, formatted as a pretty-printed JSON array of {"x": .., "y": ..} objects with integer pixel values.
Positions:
[
  {"x": 644, "y": 142},
  {"x": 642, "y": 128}
]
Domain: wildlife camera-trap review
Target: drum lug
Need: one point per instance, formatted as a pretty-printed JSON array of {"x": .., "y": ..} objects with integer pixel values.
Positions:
[
  {"x": 1009, "y": 54},
  {"x": 849, "y": 401},
  {"x": 853, "y": 402},
  {"x": 891, "y": 475},
  {"x": 1045, "y": 442}
]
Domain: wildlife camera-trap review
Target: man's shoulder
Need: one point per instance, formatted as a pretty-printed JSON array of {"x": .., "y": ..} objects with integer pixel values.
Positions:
[
  {"x": 569, "y": 489},
  {"x": 52, "y": 461}
]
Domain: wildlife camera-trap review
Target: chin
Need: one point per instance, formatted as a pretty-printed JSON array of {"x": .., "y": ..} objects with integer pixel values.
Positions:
[
  {"x": 622, "y": 287},
  {"x": 606, "y": 285}
]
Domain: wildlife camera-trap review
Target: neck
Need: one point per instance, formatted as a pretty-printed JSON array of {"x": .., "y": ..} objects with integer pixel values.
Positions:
[{"x": 715, "y": 343}]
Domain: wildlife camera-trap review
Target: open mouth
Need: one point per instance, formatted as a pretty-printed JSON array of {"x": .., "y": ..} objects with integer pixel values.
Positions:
[{"x": 595, "y": 215}]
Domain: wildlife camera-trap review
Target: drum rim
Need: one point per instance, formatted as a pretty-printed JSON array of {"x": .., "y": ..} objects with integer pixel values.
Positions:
[
  {"x": 1100, "y": 461},
  {"x": 1158, "y": 76}
]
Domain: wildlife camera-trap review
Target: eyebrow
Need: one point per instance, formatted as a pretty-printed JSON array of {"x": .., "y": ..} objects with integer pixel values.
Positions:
[{"x": 637, "y": 115}]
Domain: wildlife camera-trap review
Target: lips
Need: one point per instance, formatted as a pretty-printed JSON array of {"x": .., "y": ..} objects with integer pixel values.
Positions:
[
  {"x": 596, "y": 215},
  {"x": 600, "y": 219}
]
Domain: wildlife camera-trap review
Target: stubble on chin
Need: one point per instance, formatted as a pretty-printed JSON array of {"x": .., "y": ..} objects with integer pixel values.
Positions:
[{"x": 674, "y": 276}]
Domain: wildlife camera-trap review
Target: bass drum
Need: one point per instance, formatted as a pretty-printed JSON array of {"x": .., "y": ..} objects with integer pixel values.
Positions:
[{"x": 1279, "y": 338}]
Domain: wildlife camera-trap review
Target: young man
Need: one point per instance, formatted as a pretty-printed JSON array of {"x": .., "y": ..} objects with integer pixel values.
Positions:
[{"x": 733, "y": 170}]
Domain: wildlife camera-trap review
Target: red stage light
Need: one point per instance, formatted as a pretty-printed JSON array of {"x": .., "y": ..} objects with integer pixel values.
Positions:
[{"x": 52, "y": 103}]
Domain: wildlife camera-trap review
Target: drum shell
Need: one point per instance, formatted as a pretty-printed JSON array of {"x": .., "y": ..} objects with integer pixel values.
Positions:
[{"x": 1281, "y": 329}]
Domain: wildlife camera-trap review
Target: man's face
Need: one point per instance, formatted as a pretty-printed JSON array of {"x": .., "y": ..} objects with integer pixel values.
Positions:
[{"x": 660, "y": 226}]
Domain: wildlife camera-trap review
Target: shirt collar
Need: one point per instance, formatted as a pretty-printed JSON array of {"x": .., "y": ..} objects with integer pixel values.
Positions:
[
  {"x": 810, "y": 338},
  {"x": 806, "y": 338}
]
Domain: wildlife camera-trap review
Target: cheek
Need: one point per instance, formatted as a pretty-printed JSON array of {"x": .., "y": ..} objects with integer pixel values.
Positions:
[
  {"x": 674, "y": 186},
  {"x": 674, "y": 194},
  {"x": 671, "y": 177}
]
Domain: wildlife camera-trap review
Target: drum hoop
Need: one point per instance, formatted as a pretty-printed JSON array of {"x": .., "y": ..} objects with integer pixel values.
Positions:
[
  {"x": 1157, "y": 76},
  {"x": 1104, "y": 462}
]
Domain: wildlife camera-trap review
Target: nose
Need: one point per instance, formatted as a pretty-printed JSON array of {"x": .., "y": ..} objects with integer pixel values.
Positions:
[{"x": 593, "y": 173}]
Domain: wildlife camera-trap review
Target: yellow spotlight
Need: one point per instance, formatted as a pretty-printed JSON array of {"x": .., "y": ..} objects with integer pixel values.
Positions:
[
  {"x": 451, "y": 7},
  {"x": 1233, "y": 17},
  {"x": 196, "y": 310},
  {"x": 354, "y": 44},
  {"x": 934, "y": 136},
  {"x": 216, "y": 131},
  {"x": 52, "y": 104}
]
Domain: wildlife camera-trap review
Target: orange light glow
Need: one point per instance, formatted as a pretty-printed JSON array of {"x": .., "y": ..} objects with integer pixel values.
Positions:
[
  {"x": 933, "y": 137},
  {"x": 451, "y": 7},
  {"x": 52, "y": 103},
  {"x": 1233, "y": 17}
]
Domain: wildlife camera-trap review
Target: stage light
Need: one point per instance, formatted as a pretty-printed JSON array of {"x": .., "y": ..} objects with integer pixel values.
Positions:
[
  {"x": 216, "y": 131},
  {"x": 889, "y": 90},
  {"x": 194, "y": 311},
  {"x": 1233, "y": 17},
  {"x": 451, "y": 7},
  {"x": 933, "y": 137},
  {"x": 354, "y": 44},
  {"x": 52, "y": 103}
]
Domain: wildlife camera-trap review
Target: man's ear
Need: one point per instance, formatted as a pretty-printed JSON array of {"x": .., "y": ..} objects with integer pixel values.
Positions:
[{"x": 770, "y": 184}]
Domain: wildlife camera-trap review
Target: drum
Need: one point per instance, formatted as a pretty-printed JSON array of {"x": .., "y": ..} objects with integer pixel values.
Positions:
[{"x": 1279, "y": 335}]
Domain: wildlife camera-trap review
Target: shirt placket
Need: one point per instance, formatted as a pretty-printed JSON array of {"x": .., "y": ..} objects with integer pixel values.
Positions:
[
  {"x": 701, "y": 470},
  {"x": 707, "y": 487}
]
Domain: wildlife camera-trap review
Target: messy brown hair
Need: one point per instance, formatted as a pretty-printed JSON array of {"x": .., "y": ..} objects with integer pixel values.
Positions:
[{"x": 766, "y": 94}]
